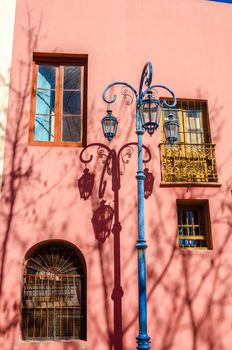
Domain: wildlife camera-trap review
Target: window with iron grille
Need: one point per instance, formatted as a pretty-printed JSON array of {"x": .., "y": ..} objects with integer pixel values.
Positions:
[
  {"x": 192, "y": 158},
  {"x": 193, "y": 225},
  {"x": 54, "y": 294},
  {"x": 58, "y": 115}
]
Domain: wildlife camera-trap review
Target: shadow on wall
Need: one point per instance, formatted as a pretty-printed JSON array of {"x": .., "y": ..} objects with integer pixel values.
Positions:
[
  {"x": 113, "y": 166},
  {"x": 196, "y": 302},
  {"x": 22, "y": 173}
]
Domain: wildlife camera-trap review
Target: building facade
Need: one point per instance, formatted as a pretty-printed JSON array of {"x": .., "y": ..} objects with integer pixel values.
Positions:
[{"x": 64, "y": 286}]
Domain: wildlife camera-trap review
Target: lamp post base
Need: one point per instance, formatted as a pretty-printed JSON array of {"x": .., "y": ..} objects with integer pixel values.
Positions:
[{"x": 143, "y": 342}]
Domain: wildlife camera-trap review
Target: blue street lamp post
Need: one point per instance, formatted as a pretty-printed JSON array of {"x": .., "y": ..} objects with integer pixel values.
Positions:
[{"x": 148, "y": 109}]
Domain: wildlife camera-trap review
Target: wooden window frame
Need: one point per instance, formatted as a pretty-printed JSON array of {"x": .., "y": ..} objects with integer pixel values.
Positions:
[
  {"x": 199, "y": 204},
  {"x": 182, "y": 129},
  {"x": 60, "y": 60}
]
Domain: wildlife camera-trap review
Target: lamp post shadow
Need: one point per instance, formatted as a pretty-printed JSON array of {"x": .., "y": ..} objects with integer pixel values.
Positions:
[{"x": 104, "y": 216}]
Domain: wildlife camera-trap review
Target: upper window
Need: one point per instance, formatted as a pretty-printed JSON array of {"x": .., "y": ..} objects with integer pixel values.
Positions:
[
  {"x": 192, "y": 116},
  {"x": 192, "y": 158},
  {"x": 54, "y": 294},
  {"x": 59, "y": 100}
]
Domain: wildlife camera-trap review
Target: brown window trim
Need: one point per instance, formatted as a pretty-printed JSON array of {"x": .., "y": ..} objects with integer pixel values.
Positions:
[
  {"x": 191, "y": 203},
  {"x": 60, "y": 60}
]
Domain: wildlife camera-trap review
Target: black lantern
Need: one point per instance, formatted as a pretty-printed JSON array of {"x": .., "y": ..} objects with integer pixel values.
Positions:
[
  {"x": 102, "y": 221},
  {"x": 85, "y": 184},
  {"x": 148, "y": 183},
  {"x": 109, "y": 125},
  {"x": 150, "y": 110},
  {"x": 171, "y": 128}
]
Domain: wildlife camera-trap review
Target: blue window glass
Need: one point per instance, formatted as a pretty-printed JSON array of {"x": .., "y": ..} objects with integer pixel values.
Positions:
[{"x": 45, "y": 103}]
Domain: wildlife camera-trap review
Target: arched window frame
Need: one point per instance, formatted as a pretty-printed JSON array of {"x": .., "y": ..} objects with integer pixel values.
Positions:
[{"x": 37, "y": 333}]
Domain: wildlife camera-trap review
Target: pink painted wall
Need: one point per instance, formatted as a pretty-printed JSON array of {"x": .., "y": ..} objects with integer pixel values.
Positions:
[{"x": 189, "y": 294}]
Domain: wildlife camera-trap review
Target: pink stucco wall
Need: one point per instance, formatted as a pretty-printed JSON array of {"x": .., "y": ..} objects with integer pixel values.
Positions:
[{"x": 189, "y": 295}]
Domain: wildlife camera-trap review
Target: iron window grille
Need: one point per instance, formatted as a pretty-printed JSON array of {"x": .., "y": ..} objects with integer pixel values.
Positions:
[
  {"x": 193, "y": 225},
  {"x": 54, "y": 295}
]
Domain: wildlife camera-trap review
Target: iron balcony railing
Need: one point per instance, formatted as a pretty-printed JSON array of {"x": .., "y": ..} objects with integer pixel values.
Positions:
[{"x": 188, "y": 162}]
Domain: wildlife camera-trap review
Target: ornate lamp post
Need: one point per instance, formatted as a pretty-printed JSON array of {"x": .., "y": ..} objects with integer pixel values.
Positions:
[{"x": 148, "y": 108}]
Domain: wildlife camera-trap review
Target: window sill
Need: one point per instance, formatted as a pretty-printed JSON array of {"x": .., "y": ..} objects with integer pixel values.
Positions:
[
  {"x": 53, "y": 144},
  {"x": 189, "y": 250},
  {"x": 190, "y": 184}
]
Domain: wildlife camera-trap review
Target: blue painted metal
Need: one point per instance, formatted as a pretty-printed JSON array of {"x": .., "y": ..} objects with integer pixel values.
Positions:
[
  {"x": 143, "y": 340},
  {"x": 225, "y": 1}
]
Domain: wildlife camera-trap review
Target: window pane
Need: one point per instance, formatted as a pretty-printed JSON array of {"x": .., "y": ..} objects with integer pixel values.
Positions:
[
  {"x": 190, "y": 217},
  {"x": 46, "y": 77},
  {"x": 72, "y": 102},
  {"x": 72, "y": 77},
  {"x": 184, "y": 217},
  {"x": 71, "y": 129},
  {"x": 45, "y": 102},
  {"x": 194, "y": 127},
  {"x": 44, "y": 128}
]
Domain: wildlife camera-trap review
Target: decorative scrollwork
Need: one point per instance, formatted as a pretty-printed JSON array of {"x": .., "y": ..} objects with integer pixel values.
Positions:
[
  {"x": 125, "y": 157},
  {"x": 125, "y": 92},
  {"x": 154, "y": 94},
  {"x": 84, "y": 151},
  {"x": 113, "y": 99},
  {"x": 125, "y": 153},
  {"x": 112, "y": 162},
  {"x": 163, "y": 102},
  {"x": 188, "y": 163},
  {"x": 101, "y": 152}
]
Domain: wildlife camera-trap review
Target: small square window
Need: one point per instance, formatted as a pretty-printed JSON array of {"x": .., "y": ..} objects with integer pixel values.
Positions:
[
  {"x": 58, "y": 114},
  {"x": 193, "y": 224}
]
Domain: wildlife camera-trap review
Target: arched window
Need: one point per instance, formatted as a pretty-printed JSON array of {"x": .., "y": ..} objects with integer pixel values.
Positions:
[{"x": 54, "y": 294}]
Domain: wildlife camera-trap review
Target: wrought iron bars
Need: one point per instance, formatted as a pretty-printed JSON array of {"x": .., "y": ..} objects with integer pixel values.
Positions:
[{"x": 188, "y": 163}]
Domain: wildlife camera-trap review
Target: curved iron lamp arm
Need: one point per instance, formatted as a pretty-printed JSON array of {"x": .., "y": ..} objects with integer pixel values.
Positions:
[
  {"x": 146, "y": 79},
  {"x": 113, "y": 99},
  {"x": 164, "y": 103},
  {"x": 146, "y": 74}
]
